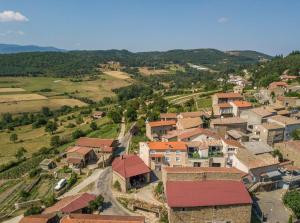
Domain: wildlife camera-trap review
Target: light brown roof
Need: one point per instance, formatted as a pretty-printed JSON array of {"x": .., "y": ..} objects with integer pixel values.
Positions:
[
  {"x": 187, "y": 123},
  {"x": 80, "y": 150},
  {"x": 192, "y": 114},
  {"x": 198, "y": 131},
  {"x": 232, "y": 143},
  {"x": 106, "y": 145},
  {"x": 168, "y": 115},
  {"x": 295, "y": 145},
  {"x": 271, "y": 126},
  {"x": 263, "y": 111},
  {"x": 277, "y": 84},
  {"x": 229, "y": 95},
  {"x": 162, "y": 123},
  {"x": 228, "y": 121},
  {"x": 41, "y": 218},
  {"x": 205, "y": 144},
  {"x": 285, "y": 120},
  {"x": 93, "y": 218},
  {"x": 202, "y": 170},
  {"x": 254, "y": 161}
]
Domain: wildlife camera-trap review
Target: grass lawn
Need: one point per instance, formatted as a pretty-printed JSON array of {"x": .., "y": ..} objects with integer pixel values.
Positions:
[
  {"x": 107, "y": 131},
  {"x": 34, "y": 139},
  {"x": 204, "y": 102},
  {"x": 134, "y": 145}
]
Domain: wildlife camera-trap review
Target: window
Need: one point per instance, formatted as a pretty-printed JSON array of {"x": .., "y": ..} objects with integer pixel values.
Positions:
[
  {"x": 168, "y": 152},
  {"x": 177, "y": 159},
  {"x": 167, "y": 159},
  {"x": 152, "y": 151},
  {"x": 178, "y": 152}
]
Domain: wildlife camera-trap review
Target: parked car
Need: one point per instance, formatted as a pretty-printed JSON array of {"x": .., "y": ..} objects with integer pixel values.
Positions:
[{"x": 60, "y": 184}]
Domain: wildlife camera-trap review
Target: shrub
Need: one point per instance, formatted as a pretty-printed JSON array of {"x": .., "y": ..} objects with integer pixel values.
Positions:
[
  {"x": 292, "y": 200},
  {"x": 97, "y": 203},
  {"x": 49, "y": 200},
  {"x": 35, "y": 172},
  {"x": 72, "y": 180},
  {"x": 159, "y": 189},
  {"x": 33, "y": 211},
  {"x": 117, "y": 185}
]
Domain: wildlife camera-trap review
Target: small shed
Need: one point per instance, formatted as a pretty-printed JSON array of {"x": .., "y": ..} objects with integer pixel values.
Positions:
[
  {"x": 98, "y": 114},
  {"x": 47, "y": 164}
]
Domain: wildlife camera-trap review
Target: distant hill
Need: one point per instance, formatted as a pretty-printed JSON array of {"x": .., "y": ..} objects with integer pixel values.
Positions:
[
  {"x": 72, "y": 63},
  {"x": 13, "y": 48},
  {"x": 250, "y": 54}
]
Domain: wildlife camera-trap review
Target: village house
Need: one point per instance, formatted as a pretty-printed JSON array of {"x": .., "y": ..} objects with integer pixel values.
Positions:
[
  {"x": 40, "y": 218},
  {"x": 222, "y": 125},
  {"x": 269, "y": 133},
  {"x": 188, "y": 123},
  {"x": 154, "y": 130},
  {"x": 289, "y": 124},
  {"x": 158, "y": 154},
  {"x": 239, "y": 106},
  {"x": 193, "y": 134},
  {"x": 237, "y": 135},
  {"x": 130, "y": 171},
  {"x": 257, "y": 116},
  {"x": 168, "y": 116},
  {"x": 103, "y": 148},
  {"x": 95, "y": 218},
  {"x": 233, "y": 108},
  {"x": 288, "y": 101},
  {"x": 278, "y": 88},
  {"x": 196, "y": 114},
  {"x": 98, "y": 114},
  {"x": 204, "y": 195},
  {"x": 79, "y": 157},
  {"x": 290, "y": 151},
  {"x": 72, "y": 204},
  {"x": 288, "y": 77},
  {"x": 220, "y": 98}
]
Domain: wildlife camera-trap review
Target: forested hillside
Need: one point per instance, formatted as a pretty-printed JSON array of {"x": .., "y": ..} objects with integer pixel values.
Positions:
[
  {"x": 268, "y": 72},
  {"x": 85, "y": 62}
]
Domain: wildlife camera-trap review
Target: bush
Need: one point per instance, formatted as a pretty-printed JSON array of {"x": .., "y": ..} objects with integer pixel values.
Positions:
[
  {"x": 49, "y": 200},
  {"x": 71, "y": 125},
  {"x": 96, "y": 204},
  {"x": 35, "y": 172},
  {"x": 77, "y": 134},
  {"x": 159, "y": 189},
  {"x": 72, "y": 180},
  {"x": 292, "y": 200},
  {"x": 24, "y": 194},
  {"x": 117, "y": 185},
  {"x": 33, "y": 211}
]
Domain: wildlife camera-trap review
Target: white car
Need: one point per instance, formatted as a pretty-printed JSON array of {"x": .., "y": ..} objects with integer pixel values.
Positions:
[{"x": 60, "y": 184}]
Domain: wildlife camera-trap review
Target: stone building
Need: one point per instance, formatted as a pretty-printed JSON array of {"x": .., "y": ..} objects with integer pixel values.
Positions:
[
  {"x": 154, "y": 130},
  {"x": 290, "y": 151}
]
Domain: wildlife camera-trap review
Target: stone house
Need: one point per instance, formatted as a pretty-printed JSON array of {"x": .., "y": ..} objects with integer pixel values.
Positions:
[
  {"x": 79, "y": 156},
  {"x": 188, "y": 123},
  {"x": 154, "y": 130},
  {"x": 269, "y": 133},
  {"x": 130, "y": 171},
  {"x": 222, "y": 125},
  {"x": 98, "y": 114},
  {"x": 289, "y": 124},
  {"x": 220, "y": 98},
  {"x": 158, "y": 154}
]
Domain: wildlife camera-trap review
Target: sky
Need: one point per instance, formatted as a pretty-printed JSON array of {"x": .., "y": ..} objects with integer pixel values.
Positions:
[{"x": 269, "y": 26}]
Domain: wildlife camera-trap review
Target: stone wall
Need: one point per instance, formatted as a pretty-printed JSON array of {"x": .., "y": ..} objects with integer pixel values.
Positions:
[
  {"x": 122, "y": 181},
  {"x": 232, "y": 214}
]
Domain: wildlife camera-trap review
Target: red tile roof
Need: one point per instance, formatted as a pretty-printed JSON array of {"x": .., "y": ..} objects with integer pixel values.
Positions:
[
  {"x": 162, "y": 123},
  {"x": 206, "y": 193},
  {"x": 129, "y": 166},
  {"x": 74, "y": 160},
  {"x": 79, "y": 149},
  {"x": 71, "y": 204},
  {"x": 242, "y": 104},
  {"x": 277, "y": 84},
  {"x": 229, "y": 95},
  {"x": 202, "y": 170},
  {"x": 93, "y": 218},
  {"x": 41, "y": 218},
  {"x": 105, "y": 144},
  {"x": 167, "y": 145}
]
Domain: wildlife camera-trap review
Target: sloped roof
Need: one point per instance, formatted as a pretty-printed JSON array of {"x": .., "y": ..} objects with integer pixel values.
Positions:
[
  {"x": 228, "y": 121},
  {"x": 229, "y": 95},
  {"x": 79, "y": 149},
  {"x": 41, "y": 218},
  {"x": 197, "y": 131},
  {"x": 167, "y": 145},
  {"x": 93, "y": 218},
  {"x": 71, "y": 203},
  {"x": 187, "y": 123},
  {"x": 242, "y": 104},
  {"x": 168, "y": 115},
  {"x": 206, "y": 193},
  {"x": 168, "y": 169},
  {"x": 105, "y": 144},
  {"x": 162, "y": 123},
  {"x": 285, "y": 120},
  {"x": 193, "y": 114},
  {"x": 129, "y": 166}
]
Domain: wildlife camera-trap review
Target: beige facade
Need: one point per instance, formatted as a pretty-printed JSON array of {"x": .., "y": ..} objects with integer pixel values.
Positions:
[
  {"x": 290, "y": 151},
  {"x": 212, "y": 214},
  {"x": 269, "y": 133},
  {"x": 155, "y": 132}
]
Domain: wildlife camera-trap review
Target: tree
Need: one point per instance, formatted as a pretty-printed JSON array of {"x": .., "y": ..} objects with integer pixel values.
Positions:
[
  {"x": 33, "y": 211},
  {"x": 77, "y": 133},
  {"x": 117, "y": 185},
  {"x": 131, "y": 114},
  {"x": 292, "y": 200},
  {"x": 55, "y": 141},
  {"x": 115, "y": 116},
  {"x": 13, "y": 137},
  {"x": 20, "y": 153},
  {"x": 46, "y": 111},
  {"x": 97, "y": 203},
  {"x": 51, "y": 127},
  {"x": 93, "y": 126}
]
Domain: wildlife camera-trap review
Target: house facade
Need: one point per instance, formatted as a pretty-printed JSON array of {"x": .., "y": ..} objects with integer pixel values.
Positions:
[{"x": 154, "y": 130}]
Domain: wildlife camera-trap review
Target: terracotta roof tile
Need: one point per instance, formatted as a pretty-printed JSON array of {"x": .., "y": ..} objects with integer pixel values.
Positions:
[
  {"x": 105, "y": 144},
  {"x": 228, "y": 121},
  {"x": 187, "y": 123},
  {"x": 162, "y": 123},
  {"x": 229, "y": 95},
  {"x": 41, "y": 218},
  {"x": 93, "y": 218},
  {"x": 242, "y": 104},
  {"x": 206, "y": 193},
  {"x": 167, "y": 145},
  {"x": 193, "y": 114},
  {"x": 79, "y": 149},
  {"x": 129, "y": 166}
]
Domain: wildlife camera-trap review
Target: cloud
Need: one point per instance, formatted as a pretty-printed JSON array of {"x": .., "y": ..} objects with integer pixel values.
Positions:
[
  {"x": 12, "y": 16},
  {"x": 223, "y": 20},
  {"x": 12, "y": 32}
]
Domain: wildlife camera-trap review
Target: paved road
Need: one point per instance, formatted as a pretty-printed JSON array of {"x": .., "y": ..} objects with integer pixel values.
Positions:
[
  {"x": 271, "y": 205},
  {"x": 14, "y": 220},
  {"x": 93, "y": 178},
  {"x": 124, "y": 142},
  {"x": 111, "y": 206}
]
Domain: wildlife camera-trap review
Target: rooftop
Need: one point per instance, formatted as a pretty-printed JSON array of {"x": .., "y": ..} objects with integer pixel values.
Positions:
[
  {"x": 229, "y": 95},
  {"x": 105, "y": 144},
  {"x": 228, "y": 121},
  {"x": 284, "y": 120},
  {"x": 263, "y": 111},
  {"x": 71, "y": 203},
  {"x": 235, "y": 134},
  {"x": 168, "y": 115},
  {"x": 193, "y": 114},
  {"x": 258, "y": 147},
  {"x": 271, "y": 126},
  {"x": 129, "y": 165},
  {"x": 278, "y": 84},
  {"x": 187, "y": 123},
  {"x": 242, "y": 104},
  {"x": 295, "y": 144},
  {"x": 205, "y": 144},
  {"x": 198, "y": 131},
  {"x": 41, "y": 218},
  {"x": 167, "y": 145},
  {"x": 206, "y": 193},
  {"x": 162, "y": 123},
  {"x": 202, "y": 170},
  {"x": 94, "y": 218},
  {"x": 79, "y": 149}
]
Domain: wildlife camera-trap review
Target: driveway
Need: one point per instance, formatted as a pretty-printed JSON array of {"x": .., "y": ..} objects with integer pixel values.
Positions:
[{"x": 272, "y": 206}]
